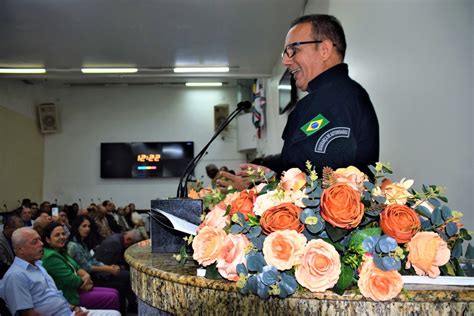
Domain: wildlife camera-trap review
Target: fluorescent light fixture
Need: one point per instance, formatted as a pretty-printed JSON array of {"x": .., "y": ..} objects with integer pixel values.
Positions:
[
  {"x": 203, "y": 84},
  {"x": 201, "y": 69},
  {"x": 22, "y": 71},
  {"x": 109, "y": 70},
  {"x": 284, "y": 87}
]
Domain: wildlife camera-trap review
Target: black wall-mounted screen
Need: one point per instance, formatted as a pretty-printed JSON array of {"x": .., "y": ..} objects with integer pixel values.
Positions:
[{"x": 144, "y": 160}]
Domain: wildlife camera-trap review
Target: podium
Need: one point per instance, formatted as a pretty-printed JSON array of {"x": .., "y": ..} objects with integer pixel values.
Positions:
[{"x": 164, "y": 237}]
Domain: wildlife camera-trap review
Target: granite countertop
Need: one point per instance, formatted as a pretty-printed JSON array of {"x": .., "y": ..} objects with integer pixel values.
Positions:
[{"x": 164, "y": 267}]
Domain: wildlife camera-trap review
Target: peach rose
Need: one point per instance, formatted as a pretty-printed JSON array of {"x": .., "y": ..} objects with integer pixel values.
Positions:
[
  {"x": 207, "y": 245},
  {"x": 427, "y": 251},
  {"x": 394, "y": 192},
  {"x": 320, "y": 266},
  {"x": 351, "y": 176},
  {"x": 232, "y": 253},
  {"x": 280, "y": 217},
  {"x": 192, "y": 194},
  {"x": 244, "y": 204},
  {"x": 293, "y": 179},
  {"x": 216, "y": 218},
  {"x": 283, "y": 249},
  {"x": 400, "y": 222},
  {"x": 229, "y": 198},
  {"x": 341, "y": 206},
  {"x": 377, "y": 284}
]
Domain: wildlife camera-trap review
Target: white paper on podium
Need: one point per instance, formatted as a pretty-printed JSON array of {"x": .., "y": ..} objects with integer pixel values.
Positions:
[
  {"x": 175, "y": 222},
  {"x": 442, "y": 280}
]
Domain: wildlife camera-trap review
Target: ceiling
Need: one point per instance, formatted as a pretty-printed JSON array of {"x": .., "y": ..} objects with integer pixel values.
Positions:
[{"x": 152, "y": 35}]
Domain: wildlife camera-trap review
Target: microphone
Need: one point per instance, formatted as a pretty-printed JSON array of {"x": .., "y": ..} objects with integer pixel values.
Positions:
[
  {"x": 182, "y": 191},
  {"x": 80, "y": 203},
  {"x": 6, "y": 208}
]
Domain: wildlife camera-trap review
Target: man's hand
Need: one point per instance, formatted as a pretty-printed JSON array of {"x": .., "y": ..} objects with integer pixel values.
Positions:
[
  {"x": 246, "y": 169},
  {"x": 226, "y": 180}
]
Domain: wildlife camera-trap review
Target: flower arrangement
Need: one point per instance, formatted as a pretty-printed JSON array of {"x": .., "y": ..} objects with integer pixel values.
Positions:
[{"x": 333, "y": 232}]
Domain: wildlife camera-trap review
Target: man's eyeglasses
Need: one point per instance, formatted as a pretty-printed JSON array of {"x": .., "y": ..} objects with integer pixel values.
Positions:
[{"x": 290, "y": 49}]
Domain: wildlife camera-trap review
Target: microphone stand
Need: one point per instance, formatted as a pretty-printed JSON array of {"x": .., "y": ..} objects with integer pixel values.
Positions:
[{"x": 182, "y": 191}]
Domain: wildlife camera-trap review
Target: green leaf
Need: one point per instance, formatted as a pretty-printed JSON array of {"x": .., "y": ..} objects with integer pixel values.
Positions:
[
  {"x": 335, "y": 233},
  {"x": 465, "y": 234},
  {"x": 443, "y": 198},
  {"x": 457, "y": 268},
  {"x": 212, "y": 273},
  {"x": 361, "y": 235},
  {"x": 345, "y": 278},
  {"x": 469, "y": 252}
]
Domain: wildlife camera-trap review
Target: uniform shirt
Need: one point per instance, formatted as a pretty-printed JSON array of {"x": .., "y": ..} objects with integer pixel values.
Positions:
[
  {"x": 27, "y": 286},
  {"x": 335, "y": 125}
]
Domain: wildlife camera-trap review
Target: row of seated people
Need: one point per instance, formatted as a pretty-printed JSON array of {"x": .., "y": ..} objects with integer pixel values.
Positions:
[{"x": 78, "y": 252}]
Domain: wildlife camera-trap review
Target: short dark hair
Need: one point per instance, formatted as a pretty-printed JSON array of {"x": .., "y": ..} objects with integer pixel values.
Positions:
[
  {"x": 325, "y": 27},
  {"x": 10, "y": 221},
  {"x": 47, "y": 232}
]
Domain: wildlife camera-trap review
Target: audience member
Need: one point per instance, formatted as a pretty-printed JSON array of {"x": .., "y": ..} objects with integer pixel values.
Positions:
[
  {"x": 79, "y": 248},
  {"x": 27, "y": 287},
  {"x": 75, "y": 282},
  {"x": 25, "y": 214},
  {"x": 111, "y": 250},
  {"x": 34, "y": 210},
  {"x": 136, "y": 221},
  {"x": 113, "y": 224},
  {"x": 63, "y": 220},
  {"x": 41, "y": 222},
  {"x": 10, "y": 224},
  {"x": 99, "y": 216},
  {"x": 45, "y": 206}
]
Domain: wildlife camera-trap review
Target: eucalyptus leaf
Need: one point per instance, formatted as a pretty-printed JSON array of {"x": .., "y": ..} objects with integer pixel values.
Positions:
[
  {"x": 269, "y": 275},
  {"x": 236, "y": 229},
  {"x": 289, "y": 282},
  {"x": 423, "y": 211},
  {"x": 310, "y": 203},
  {"x": 390, "y": 263},
  {"x": 372, "y": 169},
  {"x": 378, "y": 262},
  {"x": 255, "y": 262},
  {"x": 446, "y": 213},
  {"x": 314, "y": 196},
  {"x": 319, "y": 226},
  {"x": 457, "y": 249},
  {"x": 241, "y": 269},
  {"x": 254, "y": 232},
  {"x": 369, "y": 243},
  {"x": 309, "y": 189},
  {"x": 387, "y": 244},
  {"x": 434, "y": 202},
  {"x": 436, "y": 218},
  {"x": 307, "y": 212},
  {"x": 241, "y": 218},
  {"x": 426, "y": 225},
  {"x": 369, "y": 185},
  {"x": 252, "y": 283},
  {"x": 451, "y": 229},
  {"x": 380, "y": 199},
  {"x": 359, "y": 236},
  {"x": 258, "y": 242}
]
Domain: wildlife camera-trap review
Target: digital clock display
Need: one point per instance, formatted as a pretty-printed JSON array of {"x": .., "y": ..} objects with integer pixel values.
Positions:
[{"x": 148, "y": 157}]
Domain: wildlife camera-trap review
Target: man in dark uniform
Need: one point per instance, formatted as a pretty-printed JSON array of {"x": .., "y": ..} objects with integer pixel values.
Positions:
[{"x": 334, "y": 125}]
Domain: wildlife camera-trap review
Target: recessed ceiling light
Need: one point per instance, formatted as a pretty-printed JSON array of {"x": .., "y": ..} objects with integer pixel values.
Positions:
[
  {"x": 109, "y": 70},
  {"x": 203, "y": 84},
  {"x": 201, "y": 69},
  {"x": 22, "y": 70}
]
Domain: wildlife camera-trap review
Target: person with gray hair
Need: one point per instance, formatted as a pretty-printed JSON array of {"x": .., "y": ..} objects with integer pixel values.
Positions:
[
  {"x": 28, "y": 289},
  {"x": 112, "y": 249}
]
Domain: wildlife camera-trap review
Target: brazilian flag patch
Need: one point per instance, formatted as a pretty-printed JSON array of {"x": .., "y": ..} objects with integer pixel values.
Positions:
[{"x": 314, "y": 125}]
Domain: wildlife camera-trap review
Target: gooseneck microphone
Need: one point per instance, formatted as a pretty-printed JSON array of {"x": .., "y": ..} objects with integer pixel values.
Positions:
[{"x": 182, "y": 191}]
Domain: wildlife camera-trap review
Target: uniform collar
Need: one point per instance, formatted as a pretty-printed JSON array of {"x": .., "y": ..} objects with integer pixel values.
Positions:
[{"x": 328, "y": 76}]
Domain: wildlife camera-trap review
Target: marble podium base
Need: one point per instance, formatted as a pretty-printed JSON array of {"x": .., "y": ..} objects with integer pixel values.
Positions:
[{"x": 164, "y": 287}]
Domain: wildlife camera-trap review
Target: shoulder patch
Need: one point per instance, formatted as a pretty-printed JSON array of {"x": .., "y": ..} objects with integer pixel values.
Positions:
[
  {"x": 314, "y": 125},
  {"x": 329, "y": 136}
]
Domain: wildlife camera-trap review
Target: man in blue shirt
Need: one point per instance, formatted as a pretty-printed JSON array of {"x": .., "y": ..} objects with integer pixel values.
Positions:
[{"x": 28, "y": 289}]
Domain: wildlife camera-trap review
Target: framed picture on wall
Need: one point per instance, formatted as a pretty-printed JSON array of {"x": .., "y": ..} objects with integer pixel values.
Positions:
[{"x": 287, "y": 92}]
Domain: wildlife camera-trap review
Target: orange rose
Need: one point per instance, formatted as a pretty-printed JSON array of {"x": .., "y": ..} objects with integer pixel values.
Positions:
[
  {"x": 280, "y": 217},
  {"x": 207, "y": 245},
  {"x": 243, "y": 204},
  {"x": 341, "y": 206},
  {"x": 216, "y": 217},
  {"x": 399, "y": 222},
  {"x": 293, "y": 179},
  {"x": 427, "y": 251},
  {"x": 377, "y": 284},
  {"x": 232, "y": 253},
  {"x": 283, "y": 249},
  {"x": 320, "y": 266}
]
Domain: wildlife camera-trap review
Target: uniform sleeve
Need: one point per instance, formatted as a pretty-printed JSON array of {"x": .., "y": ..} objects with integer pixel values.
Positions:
[
  {"x": 62, "y": 274},
  {"x": 16, "y": 292}
]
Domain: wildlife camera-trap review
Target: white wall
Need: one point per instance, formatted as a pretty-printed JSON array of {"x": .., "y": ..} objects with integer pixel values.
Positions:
[
  {"x": 90, "y": 116},
  {"x": 416, "y": 60}
]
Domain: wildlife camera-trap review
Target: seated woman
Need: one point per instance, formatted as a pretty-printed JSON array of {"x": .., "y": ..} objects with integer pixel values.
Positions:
[
  {"x": 82, "y": 239},
  {"x": 76, "y": 283}
]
